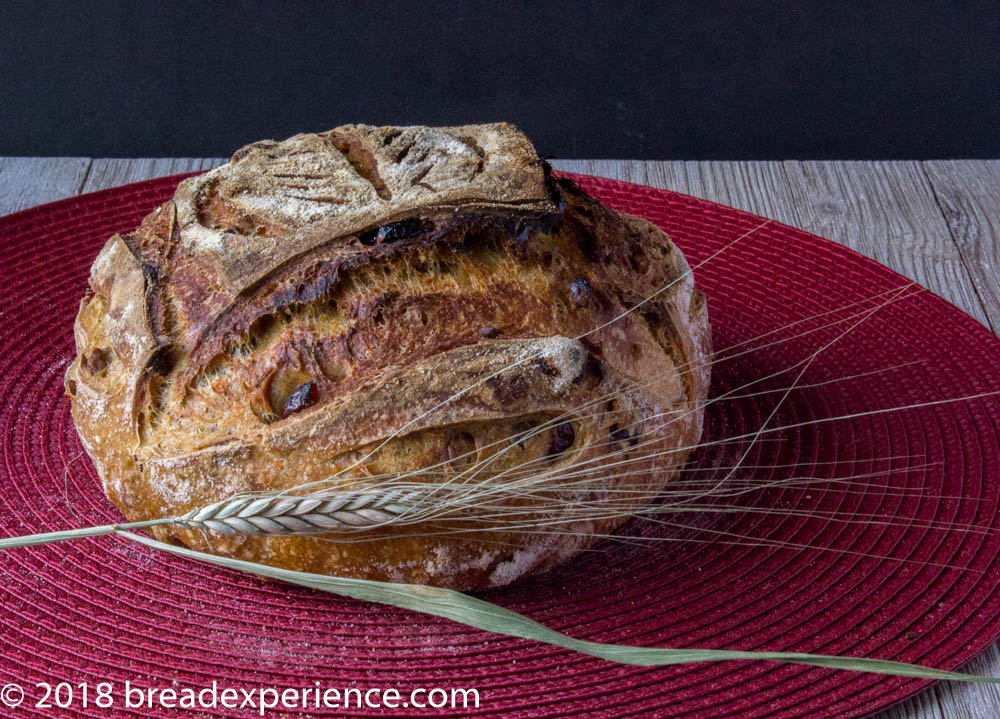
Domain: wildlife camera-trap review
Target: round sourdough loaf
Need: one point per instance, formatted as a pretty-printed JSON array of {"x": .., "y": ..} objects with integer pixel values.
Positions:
[{"x": 307, "y": 313}]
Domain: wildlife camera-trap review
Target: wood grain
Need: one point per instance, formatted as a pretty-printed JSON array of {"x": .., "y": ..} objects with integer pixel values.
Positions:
[
  {"x": 886, "y": 211},
  {"x": 968, "y": 192},
  {"x": 29, "y": 181},
  {"x": 758, "y": 187},
  {"x": 112, "y": 173},
  {"x": 935, "y": 222}
]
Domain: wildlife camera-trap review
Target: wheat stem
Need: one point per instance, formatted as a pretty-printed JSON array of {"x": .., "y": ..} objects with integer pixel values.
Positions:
[
  {"x": 483, "y": 615},
  {"x": 50, "y": 537}
]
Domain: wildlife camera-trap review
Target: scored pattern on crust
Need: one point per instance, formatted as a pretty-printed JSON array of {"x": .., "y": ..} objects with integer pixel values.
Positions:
[{"x": 288, "y": 311}]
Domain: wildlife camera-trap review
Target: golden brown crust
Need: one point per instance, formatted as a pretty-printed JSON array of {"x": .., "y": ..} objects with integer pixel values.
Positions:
[{"x": 288, "y": 312}]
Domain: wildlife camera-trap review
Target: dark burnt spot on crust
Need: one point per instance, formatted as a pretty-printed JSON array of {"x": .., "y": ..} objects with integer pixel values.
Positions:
[
  {"x": 525, "y": 232},
  {"x": 314, "y": 282},
  {"x": 97, "y": 360},
  {"x": 569, "y": 186},
  {"x": 150, "y": 274},
  {"x": 587, "y": 244},
  {"x": 164, "y": 360},
  {"x": 395, "y": 231},
  {"x": 619, "y": 434},
  {"x": 403, "y": 151},
  {"x": 561, "y": 438},
  {"x": 303, "y": 396},
  {"x": 574, "y": 357},
  {"x": 593, "y": 367},
  {"x": 528, "y": 228},
  {"x": 579, "y": 290},
  {"x": 548, "y": 368},
  {"x": 159, "y": 309}
]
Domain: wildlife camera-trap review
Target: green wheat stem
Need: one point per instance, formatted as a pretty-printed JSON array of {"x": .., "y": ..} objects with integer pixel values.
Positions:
[
  {"x": 480, "y": 614},
  {"x": 61, "y": 536}
]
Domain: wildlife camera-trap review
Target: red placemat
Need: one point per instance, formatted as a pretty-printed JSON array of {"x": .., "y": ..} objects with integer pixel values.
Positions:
[{"x": 876, "y": 535}]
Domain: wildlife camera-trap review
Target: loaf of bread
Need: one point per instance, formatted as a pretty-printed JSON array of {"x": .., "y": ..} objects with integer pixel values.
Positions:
[{"x": 343, "y": 309}]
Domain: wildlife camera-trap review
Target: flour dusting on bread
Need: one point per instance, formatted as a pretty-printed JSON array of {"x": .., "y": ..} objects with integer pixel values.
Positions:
[{"x": 369, "y": 302}]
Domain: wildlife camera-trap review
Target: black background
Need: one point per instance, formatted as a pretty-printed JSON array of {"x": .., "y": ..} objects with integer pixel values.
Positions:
[{"x": 697, "y": 80}]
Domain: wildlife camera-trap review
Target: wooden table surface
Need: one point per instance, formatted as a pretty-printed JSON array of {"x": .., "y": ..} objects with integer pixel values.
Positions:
[{"x": 935, "y": 222}]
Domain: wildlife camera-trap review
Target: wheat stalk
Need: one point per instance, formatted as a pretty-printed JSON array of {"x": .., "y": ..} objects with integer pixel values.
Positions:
[
  {"x": 277, "y": 514},
  {"x": 480, "y": 614}
]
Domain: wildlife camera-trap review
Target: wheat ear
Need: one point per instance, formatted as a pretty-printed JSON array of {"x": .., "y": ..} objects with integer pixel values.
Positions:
[
  {"x": 310, "y": 514},
  {"x": 274, "y": 515}
]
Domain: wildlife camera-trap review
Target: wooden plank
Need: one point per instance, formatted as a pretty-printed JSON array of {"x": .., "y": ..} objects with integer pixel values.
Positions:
[
  {"x": 886, "y": 211},
  {"x": 113, "y": 172},
  {"x": 968, "y": 192},
  {"x": 958, "y": 700},
  {"x": 625, "y": 170},
  {"x": 758, "y": 187},
  {"x": 29, "y": 181}
]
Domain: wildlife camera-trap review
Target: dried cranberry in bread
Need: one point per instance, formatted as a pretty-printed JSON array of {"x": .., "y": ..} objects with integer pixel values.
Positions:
[{"x": 285, "y": 314}]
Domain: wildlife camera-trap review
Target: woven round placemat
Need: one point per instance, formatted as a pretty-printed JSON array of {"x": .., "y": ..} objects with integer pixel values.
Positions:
[{"x": 873, "y": 535}]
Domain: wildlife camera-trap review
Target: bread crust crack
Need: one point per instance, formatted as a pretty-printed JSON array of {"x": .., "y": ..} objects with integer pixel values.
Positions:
[{"x": 381, "y": 301}]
